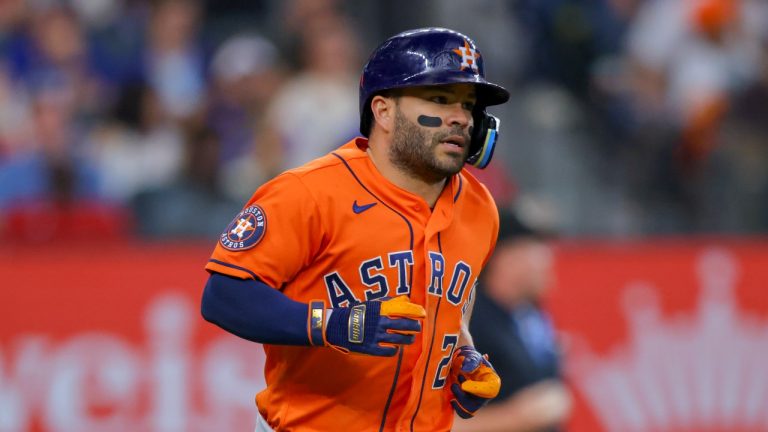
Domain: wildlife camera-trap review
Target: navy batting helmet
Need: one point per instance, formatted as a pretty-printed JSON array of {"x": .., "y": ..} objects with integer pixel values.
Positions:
[{"x": 434, "y": 56}]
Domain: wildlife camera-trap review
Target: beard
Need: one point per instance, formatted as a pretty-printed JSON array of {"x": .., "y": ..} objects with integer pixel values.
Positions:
[{"x": 414, "y": 151}]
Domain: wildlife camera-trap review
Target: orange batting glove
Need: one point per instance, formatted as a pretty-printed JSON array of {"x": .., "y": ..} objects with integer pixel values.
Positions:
[{"x": 475, "y": 382}]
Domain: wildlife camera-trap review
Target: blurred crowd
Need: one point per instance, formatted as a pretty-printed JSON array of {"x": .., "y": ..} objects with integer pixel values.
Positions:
[
  {"x": 160, "y": 118},
  {"x": 637, "y": 117}
]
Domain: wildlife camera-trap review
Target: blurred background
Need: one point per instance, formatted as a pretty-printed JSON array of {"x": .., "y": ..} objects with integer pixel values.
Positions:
[{"x": 132, "y": 131}]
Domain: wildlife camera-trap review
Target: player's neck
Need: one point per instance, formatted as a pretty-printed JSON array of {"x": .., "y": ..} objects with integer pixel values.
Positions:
[{"x": 429, "y": 191}]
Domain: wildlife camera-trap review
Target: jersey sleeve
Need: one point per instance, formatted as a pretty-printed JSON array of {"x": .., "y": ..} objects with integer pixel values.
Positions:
[{"x": 277, "y": 233}]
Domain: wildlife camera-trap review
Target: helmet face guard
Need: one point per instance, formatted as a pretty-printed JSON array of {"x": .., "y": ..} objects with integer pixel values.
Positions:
[{"x": 432, "y": 57}]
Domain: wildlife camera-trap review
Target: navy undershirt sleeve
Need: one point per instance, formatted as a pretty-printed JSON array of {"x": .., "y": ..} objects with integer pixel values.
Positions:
[{"x": 254, "y": 311}]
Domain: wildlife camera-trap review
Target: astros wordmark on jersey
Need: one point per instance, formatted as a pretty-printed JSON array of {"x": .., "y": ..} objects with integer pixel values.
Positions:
[{"x": 337, "y": 229}]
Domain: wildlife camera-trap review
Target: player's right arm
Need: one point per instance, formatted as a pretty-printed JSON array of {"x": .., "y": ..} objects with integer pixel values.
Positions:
[
  {"x": 275, "y": 237},
  {"x": 254, "y": 311}
]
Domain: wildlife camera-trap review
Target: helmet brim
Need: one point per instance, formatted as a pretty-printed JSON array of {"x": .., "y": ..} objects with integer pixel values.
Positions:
[{"x": 487, "y": 93}]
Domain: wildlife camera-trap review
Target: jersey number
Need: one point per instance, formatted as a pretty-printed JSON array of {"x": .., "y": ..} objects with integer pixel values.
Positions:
[{"x": 449, "y": 344}]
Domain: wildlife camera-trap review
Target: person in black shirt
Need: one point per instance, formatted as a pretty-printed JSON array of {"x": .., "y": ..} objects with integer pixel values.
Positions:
[{"x": 510, "y": 325}]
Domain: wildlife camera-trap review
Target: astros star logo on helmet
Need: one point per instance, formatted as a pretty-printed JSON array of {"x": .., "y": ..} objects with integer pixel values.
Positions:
[{"x": 468, "y": 56}]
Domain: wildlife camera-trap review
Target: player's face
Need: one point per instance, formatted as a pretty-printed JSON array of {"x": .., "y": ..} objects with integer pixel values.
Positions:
[{"x": 432, "y": 130}]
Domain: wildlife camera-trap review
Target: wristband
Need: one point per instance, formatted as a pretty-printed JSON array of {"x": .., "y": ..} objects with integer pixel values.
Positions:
[{"x": 316, "y": 323}]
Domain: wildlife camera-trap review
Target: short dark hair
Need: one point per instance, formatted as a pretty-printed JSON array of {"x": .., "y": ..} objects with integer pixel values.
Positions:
[{"x": 512, "y": 227}]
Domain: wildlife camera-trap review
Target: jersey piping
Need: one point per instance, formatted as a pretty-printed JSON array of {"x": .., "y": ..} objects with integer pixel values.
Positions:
[
  {"x": 236, "y": 267},
  {"x": 458, "y": 190},
  {"x": 410, "y": 277},
  {"x": 431, "y": 345}
]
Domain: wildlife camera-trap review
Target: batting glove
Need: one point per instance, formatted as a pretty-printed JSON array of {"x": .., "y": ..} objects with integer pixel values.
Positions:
[
  {"x": 475, "y": 382},
  {"x": 373, "y": 327}
]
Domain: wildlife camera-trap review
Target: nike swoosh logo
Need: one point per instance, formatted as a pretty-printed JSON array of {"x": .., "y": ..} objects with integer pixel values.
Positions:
[{"x": 361, "y": 208}]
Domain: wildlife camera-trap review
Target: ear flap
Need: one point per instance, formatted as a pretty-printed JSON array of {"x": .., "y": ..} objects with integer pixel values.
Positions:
[{"x": 484, "y": 137}]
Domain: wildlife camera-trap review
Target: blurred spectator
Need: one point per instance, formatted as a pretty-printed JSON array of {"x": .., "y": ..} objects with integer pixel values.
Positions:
[
  {"x": 49, "y": 51},
  {"x": 318, "y": 108},
  {"x": 11, "y": 14},
  {"x": 54, "y": 165},
  {"x": 689, "y": 61},
  {"x": 50, "y": 190},
  {"x": 511, "y": 326},
  {"x": 15, "y": 117},
  {"x": 116, "y": 31},
  {"x": 13, "y": 37},
  {"x": 733, "y": 187},
  {"x": 175, "y": 61},
  {"x": 295, "y": 17},
  {"x": 567, "y": 37},
  {"x": 244, "y": 76},
  {"x": 690, "y": 58},
  {"x": 138, "y": 146},
  {"x": 246, "y": 72},
  {"x": 193, "y": 206}
]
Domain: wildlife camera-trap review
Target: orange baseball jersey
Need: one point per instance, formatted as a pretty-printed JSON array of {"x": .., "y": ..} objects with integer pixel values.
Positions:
[{"x": 336, "y": 229}]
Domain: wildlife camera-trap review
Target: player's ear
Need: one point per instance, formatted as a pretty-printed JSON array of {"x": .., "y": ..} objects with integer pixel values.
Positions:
[{"x": 383, "y": 110}]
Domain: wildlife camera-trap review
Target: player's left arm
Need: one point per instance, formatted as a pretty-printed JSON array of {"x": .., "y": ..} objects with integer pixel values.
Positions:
[
  {"x": 474, "y": 382},
  {"x": 465, "y": 338}
]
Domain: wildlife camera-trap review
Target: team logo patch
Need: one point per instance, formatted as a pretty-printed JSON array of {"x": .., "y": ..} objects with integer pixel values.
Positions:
[
  {"x": 245, "y": 230},
  {"x": 468, "y": 56}
]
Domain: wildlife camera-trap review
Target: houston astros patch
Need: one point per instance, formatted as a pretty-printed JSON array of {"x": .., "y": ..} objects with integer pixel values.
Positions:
[{"x": 245, "y": 230}]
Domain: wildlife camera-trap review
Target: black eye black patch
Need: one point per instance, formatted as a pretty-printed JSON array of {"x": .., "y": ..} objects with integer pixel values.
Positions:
[{"x": 428, "y": 121}]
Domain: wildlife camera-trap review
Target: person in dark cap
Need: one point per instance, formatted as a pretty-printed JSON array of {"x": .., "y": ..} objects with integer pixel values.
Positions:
[{"x": 510, "y": 325}]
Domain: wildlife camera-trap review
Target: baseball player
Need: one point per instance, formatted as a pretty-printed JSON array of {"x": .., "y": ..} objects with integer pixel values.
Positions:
[{"x": 356, "y": 271}]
